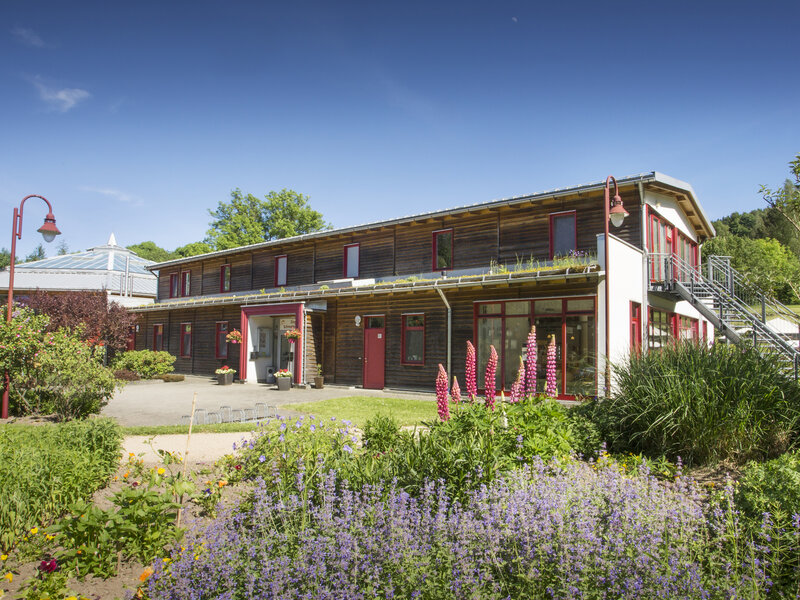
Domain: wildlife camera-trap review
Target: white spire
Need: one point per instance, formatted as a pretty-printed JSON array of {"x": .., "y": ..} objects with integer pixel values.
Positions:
[{"x": 112, "y": 241}]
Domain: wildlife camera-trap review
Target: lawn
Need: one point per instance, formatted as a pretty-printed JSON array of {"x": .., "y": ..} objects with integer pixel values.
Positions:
[{"x": 359, "y": 409}]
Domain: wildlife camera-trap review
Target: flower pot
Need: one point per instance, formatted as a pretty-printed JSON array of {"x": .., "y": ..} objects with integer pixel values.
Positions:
[
  {"x": 318, "y": 382},
  {"x": 225, "y": 379},
  {"x": 284, "y": 383}
]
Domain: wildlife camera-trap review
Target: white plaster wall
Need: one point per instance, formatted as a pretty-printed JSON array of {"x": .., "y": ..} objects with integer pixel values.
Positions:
[
  {"x": 627, "y": 284},
  {"x": 668, "y": 208}
]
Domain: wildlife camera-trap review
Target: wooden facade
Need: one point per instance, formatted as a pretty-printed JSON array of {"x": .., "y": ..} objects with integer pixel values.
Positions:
[{"x": 507, "y": 236}]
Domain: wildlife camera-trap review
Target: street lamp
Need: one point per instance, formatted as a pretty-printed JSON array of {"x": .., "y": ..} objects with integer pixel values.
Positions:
[
  {"x": 616, "y": 213},
  {"x": 49, "y": 232}
]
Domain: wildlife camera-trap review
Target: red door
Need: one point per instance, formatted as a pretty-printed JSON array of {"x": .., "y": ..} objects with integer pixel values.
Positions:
[
  {"x": 131, "y": 345},
  {"x": 374, "y": 351}
]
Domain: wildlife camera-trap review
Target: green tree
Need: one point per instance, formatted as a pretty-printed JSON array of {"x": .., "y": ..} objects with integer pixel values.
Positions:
[
  {"x": 150, "y": 251},
  {"x": 766, "y": 262},
  {"x": 786, "y": 199},
  {"x": 37, "y": 254},
  {"x": 63, "y": 248},
  {"x": 5, "y": 258},
  {"x": 193, "y": 249},
  {"x": 249, "y": 220}
]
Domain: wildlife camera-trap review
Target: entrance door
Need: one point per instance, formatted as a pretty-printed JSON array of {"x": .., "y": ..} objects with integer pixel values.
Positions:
[{"x": 374, "y": 351}]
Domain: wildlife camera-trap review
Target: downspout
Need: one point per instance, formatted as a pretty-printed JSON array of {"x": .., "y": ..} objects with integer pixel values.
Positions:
[
  {"x": 449, "y": 333},
  {"x": 645, "y": 316}
]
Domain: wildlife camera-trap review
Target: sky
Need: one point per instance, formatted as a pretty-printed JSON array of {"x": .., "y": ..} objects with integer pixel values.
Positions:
[{"x": 138, "y": 117}]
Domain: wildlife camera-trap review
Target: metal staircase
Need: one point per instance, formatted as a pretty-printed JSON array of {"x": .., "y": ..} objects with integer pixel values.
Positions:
[{"x": 736, "y": 307}]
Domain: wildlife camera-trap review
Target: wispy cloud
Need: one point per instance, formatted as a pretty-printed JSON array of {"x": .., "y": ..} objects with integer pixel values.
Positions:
[
  {"x": 116, "y": 195},
  {"x": 61, "y": 100},
  {"x": 28, "y": 37}
]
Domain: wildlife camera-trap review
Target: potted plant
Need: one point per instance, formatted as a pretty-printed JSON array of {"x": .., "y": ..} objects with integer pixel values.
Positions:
[
  {"x": 284, "y": 380},
  {"x": 225, "y": 375},
  {"x": 293, "y": 335},
  {"x": 234, "y": 337},
  {"x": 319, "y": 380}
]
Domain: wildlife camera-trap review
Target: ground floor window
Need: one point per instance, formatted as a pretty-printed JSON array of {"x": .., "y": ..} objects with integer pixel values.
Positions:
[
  {"x": 571, "y": 321},
  {"x": 665, "y": 326},
  {"x": 221, "y": 346},
  {"x": 158, "y": 337},
  {"x": 186, "y": 340},
  {"x": 413, "y": 339}
]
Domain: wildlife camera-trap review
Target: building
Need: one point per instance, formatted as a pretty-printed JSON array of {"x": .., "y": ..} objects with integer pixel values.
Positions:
[
  {"x": 383, "y": 304},
  {"x": 110, "y": 268}
]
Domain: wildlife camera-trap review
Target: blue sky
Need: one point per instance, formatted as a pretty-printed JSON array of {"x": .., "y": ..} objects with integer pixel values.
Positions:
[{"x": 137, "y": 117}]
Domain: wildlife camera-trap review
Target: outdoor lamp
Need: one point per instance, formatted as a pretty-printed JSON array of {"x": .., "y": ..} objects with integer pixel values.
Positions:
[
  {"x": 617, "y": 213},
  {"x": 49, "y": 230}
]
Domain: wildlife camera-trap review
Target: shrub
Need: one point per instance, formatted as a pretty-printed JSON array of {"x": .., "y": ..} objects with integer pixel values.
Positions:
[
  {"x": 146, "y": 363},
  {"x": 44, "y": 468},
  {"x": 703, "y": 404},
  {"x": 381, "y": 433},
  {"x": 126, "y": 375},
  {"x": 171, "y": 377}
]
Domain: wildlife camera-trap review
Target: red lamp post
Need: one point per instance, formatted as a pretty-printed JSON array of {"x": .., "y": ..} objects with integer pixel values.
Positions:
[
  {"x": 49, "y": 232},
  {"x": 615, "y": 213}
]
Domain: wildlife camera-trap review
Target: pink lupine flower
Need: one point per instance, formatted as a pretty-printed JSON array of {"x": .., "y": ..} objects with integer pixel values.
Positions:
[
  {"x": 441, "y": 394},
  {"x": 518, "y": 387},
  {"x": 472, "y": 384},
  {"x": 491, "y": 368},
  {"x": 530, "y": 368},
  {"x": 455, "y": 391},
  {"x": 551, "y": 389}
]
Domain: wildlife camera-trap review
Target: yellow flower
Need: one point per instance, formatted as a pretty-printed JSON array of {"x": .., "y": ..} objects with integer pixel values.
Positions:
[
  {"x": 9, "y": 576},
  {"x": 146, "y": 574},
  {"x": 131, "y": 454},
  {"x": 71, "y": 598},
  {"x": 222, "y": 483},
  {"x": 166, "y": 561},
  {"x": 3, "y": 557},
  {"x": 49, "y": 537},
  {"x": 161, "y": 471},
  {"x": 34, "y": 531},
  {"x": 126, "y": 475}
]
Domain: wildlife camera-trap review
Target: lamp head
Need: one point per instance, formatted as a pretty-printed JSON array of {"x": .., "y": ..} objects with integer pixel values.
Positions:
[
  {"x": 49, "y": 230},
  {"x": 618, "y": 213}
]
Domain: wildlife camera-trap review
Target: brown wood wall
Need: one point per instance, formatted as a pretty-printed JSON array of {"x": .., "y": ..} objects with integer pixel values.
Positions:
[{"x": 503, "y": 235}]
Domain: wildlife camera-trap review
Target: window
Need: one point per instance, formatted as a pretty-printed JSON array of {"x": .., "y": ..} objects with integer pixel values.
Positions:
[
  {"x": 351, "y": 256},
  {"x": 688, "y": 328},
  {"x": 186, "y": 283},
  {"x": 563, "y": 233},
  {"x": 225, "y": 278},
  {"x": 636, "y": 327},
  {"x": 158, "y": 337},
  {"x": 443, "y": 250},
  {"x": 659, "y": 329},
  {"x": 186, "y": 340},
  {"x": 280, "y": 270},
  {"x": 221, "y": 348},
  {"x": 413, "y": 339},
  {"x": 174, "y": 285}
]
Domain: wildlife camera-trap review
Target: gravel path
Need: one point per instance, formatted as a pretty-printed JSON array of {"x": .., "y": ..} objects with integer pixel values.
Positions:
[{"x": 204, "y": 447}]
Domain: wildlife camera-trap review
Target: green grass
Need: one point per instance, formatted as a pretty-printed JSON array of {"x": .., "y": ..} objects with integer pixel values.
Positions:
[
  {"x": 359, "y": 409},
  {"x": 184, "y": 429}
]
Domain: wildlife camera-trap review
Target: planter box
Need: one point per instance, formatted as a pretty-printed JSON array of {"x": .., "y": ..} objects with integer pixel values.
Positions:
[
  {"x": 225, "y": 379},
  {"x": 319, "y": 382},
  {"x": 284, "y": 383}
]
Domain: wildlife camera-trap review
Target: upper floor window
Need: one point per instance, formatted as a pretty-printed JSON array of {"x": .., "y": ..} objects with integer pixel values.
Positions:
[
  {"x": 174, "y": 285},
  {"x": 413, "y": 339},
  {"x": 158, "y": 337},
  {"x": 443, "y": 249},
  {"x": 186, "y": 283},
  {"x": 563, "y": 233},
  {"x": 221, "y": 345},
  {"x": 225, "y": 278},
  {"x": 351, "y": 260},
  {"x": 280, "y": 270},
  {"x": 186, "y": 340}
]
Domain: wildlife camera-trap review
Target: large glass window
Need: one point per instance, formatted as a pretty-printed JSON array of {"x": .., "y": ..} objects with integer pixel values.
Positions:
[
  {"x": 570, "y": 321},
  {"x": 174, "y": 285},
  {"x": 659, "y": 329},
  {"x": 280, "y": 270},
  {"x": 186, "y": 340},
  {"x": 351, "y": 256},
  {"x": 413, "y": 339},
  {"x": 186, "y": 283},
  {"x": 225, "y": 278},
  {"x": 443, "y": 250},
  {"x": 563, "y": 234},
  {"x": 221, "y": 346}
]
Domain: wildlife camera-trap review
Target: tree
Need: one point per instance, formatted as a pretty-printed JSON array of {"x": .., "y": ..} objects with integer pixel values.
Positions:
[
  {"x": 766, "y": 262},
  {"x": 786, "y": 199},
  {"x": 37, "y": 254},
  {"x": 248, "y": 220},
  {"x": 5, "y": 258},
  {"x": 193, "y": 249},
  {"x": 62, "y": 248},
  {"x": 103, "y": 323},
  {"x": 149, "y": 251}
]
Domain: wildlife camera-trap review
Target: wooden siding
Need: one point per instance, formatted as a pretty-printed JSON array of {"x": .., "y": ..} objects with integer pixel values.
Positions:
[{"x": 314, "y": 344}]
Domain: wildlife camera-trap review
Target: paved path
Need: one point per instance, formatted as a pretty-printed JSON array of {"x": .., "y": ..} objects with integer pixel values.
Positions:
[
  {"x": 159, "y": 403},
  {"x": 204, "y": 447}
]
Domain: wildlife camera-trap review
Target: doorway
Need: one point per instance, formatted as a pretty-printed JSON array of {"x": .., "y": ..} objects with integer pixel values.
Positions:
[{"x": 374, "y": 351}]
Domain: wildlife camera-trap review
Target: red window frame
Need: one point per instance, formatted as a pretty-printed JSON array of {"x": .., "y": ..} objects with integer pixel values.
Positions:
[
  {"x": 636, "y": 327},
  {"x": 435, "y": 246},
  {"x": 278, "y": 259},
  {"x": 186, "y": 336},
  {"x": 405, "y": 328},
  {"x": 345, "y": 261},
  {"x": 220, "y": 343},
  {"x": 186, "y": 283},
  {"x": 561, "y": 215},
  {"x": 225, "y": 278},
  {"x": 174, "y": 285},
  {"x": 158, "y": 337}
]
